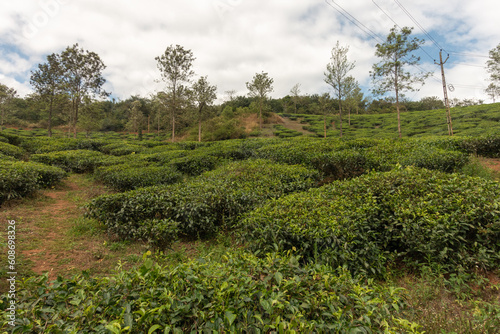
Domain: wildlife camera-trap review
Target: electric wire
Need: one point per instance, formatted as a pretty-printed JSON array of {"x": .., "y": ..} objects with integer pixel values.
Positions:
[
  {"x": 390, "y": 18},
  {"x": 355, "y": 21},
  {"x": 419, "y": 25}
]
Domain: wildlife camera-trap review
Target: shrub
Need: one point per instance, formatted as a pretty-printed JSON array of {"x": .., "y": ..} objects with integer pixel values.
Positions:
[
  {"x": 412, "y": 215},
  {"x": 40, "y": 145},
  {"x": 202, "y": 204},
  {"x": 78, "y": 161},
  {"x": 19, "y": 178},
  {"x": 124, "y": 177},
  {"x": 196, "y": 163},
  {"x": 236, "y": 294},
  {"x": 11, "y": 150},
  {"x": 121, "y": 148}
]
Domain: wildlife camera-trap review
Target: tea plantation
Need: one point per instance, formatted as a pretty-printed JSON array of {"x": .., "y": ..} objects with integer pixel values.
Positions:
[{"x": 317, "y": 229}]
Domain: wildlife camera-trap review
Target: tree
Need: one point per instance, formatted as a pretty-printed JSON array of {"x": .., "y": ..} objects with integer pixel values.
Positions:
[
  {"x": 295, "y": 95},
  {"x": 136, "y": 118},
  {"x": 204, "y": 95},
  {"x": 353, "y": 99},
  {"x": 493, "y": 91},
  {"x": 91, "y": 116},
  {"x": 6, "y": 95},
  {"x": 493, "y": 66},
  {"x": 337, "y": 75},
  {"x": 259, "y": 87},
  {"x": 175, "y": 67},
  {"x": 47, "y": 82},
  {"x": 390, "y": 74},
  {"x": 324, "y": 104},
  {"x": 82, "y": 78}
]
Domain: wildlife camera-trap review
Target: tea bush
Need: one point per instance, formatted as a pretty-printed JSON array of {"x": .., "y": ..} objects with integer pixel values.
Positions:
[
  {"x": 125, "y": 177},
  {"x": 11, "y": 150},
  {"x": 41, "y": 145},
  {"x": 121, "y": 148},
  {"x": 78, "y": 161},
  {"x": 196, "y": 163},
  {"x": 19, "y": 178},
  {"x": 283, "y": 132},
  {"x": 237, "y": 293},
  {"x": 338, "y": 159},
  {"x": 410, "y": 215},
  {"x": 203, "y": 204}
]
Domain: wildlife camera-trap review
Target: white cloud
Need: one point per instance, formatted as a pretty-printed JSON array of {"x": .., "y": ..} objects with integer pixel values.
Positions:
[{"x": 234, "y": 39}]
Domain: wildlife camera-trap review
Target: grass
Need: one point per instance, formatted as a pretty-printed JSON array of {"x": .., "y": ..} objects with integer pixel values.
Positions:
[{"x": 455, "y": 304}]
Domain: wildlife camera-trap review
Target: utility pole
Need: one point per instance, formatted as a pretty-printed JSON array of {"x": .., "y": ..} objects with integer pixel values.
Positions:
[{"x": 445, "y": 90}]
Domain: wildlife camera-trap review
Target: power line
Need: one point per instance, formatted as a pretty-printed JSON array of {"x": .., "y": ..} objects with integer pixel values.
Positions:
[
  {"x": 419, "y": 25},
  {"x": 354, "y": 21},
  {"x": 366, "y": 30},
  {"x": 470, "y": 65},
  {"x": 469, "y": 54},
  {"x": 390, "y": 18}
]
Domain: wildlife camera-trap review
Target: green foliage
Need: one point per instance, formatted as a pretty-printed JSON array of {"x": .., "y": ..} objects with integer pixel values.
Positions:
[
  {"x": 11, "y": 150},
  {"x": 410, "y": 215},
  {"x": 282, "y": 132},
  {"x": 124, "y": 177},
  {"x": 121, "y": 148},
  {"x": 237, "y": 293},
  {"x": 338, "y": 159},
  {"x": 19, "y": 178},
  {"x": 196, "y": 163},
  {"x": 78, "y": 161},
  {"x": 45, "y": 145},
  {"x": 203, "y": 204}
]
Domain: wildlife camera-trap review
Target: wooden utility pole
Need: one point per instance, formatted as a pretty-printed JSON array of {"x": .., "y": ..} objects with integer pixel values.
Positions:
[{"x": 445, "y": 90}]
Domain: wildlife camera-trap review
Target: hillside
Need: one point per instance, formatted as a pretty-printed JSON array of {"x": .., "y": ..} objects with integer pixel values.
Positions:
[{"x": 466, "y": 121}]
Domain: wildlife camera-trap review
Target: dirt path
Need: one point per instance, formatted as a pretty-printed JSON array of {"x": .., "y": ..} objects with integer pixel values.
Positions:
[{"x": 54, "y": 237}]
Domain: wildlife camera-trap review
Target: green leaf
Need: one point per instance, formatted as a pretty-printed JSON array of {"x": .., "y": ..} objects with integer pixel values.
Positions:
[
  {"x": 230, "y": 317},
  {"x": 278, "y": 277},
  {"x": 154, "y": 328}
]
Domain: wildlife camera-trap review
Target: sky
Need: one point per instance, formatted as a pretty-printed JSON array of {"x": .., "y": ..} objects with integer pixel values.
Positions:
[{"x": 232, "y": 40}]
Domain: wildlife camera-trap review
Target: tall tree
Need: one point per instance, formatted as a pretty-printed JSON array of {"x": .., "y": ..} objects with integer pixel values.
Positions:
[
  {"x": 354, "y": 98},
  {"x": 204, "y": 95},
  {"x": 47, "y": 82},
  {"x": 6, "y": 95},
  {"x": 324, "y": 103},
  {"x": 390, "y": 73},
  {"x": 493, "y": 91},
  {"x": 259, "y": 87},
  {"x": 82, "y": 78},
  {"x": 295, "y": 95},
  {"x": 91, "y": 118},
  {"x": 337, "y": 75},
  {"x": 493, "y": 66},
  {"x": 136, "y": 118},
  {"x": 175, "y": 67}
]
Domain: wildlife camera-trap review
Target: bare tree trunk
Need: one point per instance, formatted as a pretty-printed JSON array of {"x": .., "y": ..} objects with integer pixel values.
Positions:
[
  {"x": 50, "y": 116},
  {"x": 340, "y": 116},
  {"x": 173, "y": 127},
  {"x": 199, "y": 128},
  {"x": 324, "y": 126},
  {"x": 260, "y": 115}
]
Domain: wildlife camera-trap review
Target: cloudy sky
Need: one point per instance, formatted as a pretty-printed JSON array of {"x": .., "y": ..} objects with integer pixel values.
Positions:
[{"x": 234, "y": 39}]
